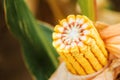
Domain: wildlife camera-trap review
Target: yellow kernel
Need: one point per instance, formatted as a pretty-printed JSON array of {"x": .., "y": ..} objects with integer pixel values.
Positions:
[
  {"x": 71, "y": 19},
  {"x": 59, "y": 28}
]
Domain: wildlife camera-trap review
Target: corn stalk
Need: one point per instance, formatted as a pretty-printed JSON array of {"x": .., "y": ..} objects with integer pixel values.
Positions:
[{"x": 88, "y": 8}]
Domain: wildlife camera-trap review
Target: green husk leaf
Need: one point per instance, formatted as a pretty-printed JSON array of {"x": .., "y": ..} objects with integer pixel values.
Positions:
[
  {"x": 32, "y": 61},
  {"x": 35, "y": 39},
  {"x": 88, "y": 8}
]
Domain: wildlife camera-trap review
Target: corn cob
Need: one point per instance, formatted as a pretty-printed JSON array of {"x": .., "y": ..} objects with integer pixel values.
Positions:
[{"x": 79, "y": 44}]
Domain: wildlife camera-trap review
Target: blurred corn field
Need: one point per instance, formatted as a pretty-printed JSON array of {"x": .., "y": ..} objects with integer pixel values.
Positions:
[{"x": 26, "y": 26}]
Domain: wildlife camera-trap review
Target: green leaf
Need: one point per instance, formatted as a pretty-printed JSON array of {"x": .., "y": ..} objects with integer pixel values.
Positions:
[
  {"x": 88, "y": 8},
  {"x": 36, "y": 39},
  {"x": 32, "y": 61}
]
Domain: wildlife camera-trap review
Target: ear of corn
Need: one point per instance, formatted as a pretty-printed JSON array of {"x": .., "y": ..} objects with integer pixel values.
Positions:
[{"x": 79, "y": 44}]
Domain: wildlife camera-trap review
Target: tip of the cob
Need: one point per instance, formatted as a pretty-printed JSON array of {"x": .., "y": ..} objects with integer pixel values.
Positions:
[{"x": 79, "y": 44}]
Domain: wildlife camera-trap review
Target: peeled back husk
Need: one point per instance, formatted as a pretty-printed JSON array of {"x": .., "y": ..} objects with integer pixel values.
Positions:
[
  {"x": 107, "y": 73},
  {"x": 111, "y": 37}
]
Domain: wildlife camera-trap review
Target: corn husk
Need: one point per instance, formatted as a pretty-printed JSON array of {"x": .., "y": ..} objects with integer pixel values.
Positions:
[
  {"x": 111, "y": 37},
  {"x": 108, "y": 73}
]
